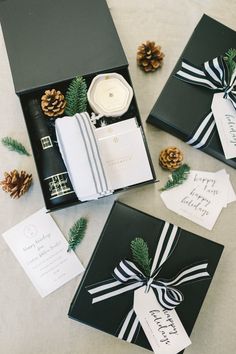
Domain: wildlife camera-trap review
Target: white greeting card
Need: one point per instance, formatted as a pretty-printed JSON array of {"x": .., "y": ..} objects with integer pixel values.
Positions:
[
  {"x": 41, "y": 249},
  {"x": 125, "y": 159},
  {"x": 225, "y": 118},
  {"x": 162, "y": 327},
  {"x": 201, "y": 198}
]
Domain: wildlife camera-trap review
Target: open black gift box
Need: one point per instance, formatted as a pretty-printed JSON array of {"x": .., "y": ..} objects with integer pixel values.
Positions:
[
  {"x": 49, "y": 44},
  {"x": 123, "y": 225},
  {"x": 181, "y": 106}
]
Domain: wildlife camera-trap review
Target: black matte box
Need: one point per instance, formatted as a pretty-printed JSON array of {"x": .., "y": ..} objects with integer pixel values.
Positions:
[
  {"x": 181, "y": 107},
  {"x": 50, "y": 43},
  {"x": 123, "y": 225}
]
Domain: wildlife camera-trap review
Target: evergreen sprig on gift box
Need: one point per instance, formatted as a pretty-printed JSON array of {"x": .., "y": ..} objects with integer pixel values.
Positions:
[
  {"x": 14, "y": 145},
  {"x": 76, "y": 233},
  {"x": 140, "y": 255},
  {"x": 230, "y": 60},
  {"x": 76, "y": 96},
  {"x": 177, "y": 177}
]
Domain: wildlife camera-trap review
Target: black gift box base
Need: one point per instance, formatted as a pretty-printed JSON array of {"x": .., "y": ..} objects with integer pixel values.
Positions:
[
  {"x": 124, "y": 223},
  {"x": 62, "y": 86},
  {"x": 178, "y": 104}
]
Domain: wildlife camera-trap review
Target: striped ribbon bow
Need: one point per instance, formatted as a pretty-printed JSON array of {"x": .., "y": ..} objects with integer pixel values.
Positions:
[
  {"x": 214, "y": 75},
  {"x": 128, "y": 277}
]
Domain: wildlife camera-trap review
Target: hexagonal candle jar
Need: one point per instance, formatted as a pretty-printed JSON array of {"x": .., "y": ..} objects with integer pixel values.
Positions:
[{"x": 110, "y": 95}]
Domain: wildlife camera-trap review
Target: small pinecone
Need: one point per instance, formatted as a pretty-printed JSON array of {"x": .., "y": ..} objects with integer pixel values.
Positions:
[
  {"x": 16, "y": 183},
  {"x": 53, "y": 103},
  {"x": 149, "y": 56},
  {"x": 171, "y": 158}
]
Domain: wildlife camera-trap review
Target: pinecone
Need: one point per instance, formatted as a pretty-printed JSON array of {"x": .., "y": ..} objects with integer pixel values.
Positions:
[
  {"x": 53, "y": 103},
  {"x": 171, "y": 158},
  {"x": 16, "y": 183},
  {"x": 149, "y": 56}
]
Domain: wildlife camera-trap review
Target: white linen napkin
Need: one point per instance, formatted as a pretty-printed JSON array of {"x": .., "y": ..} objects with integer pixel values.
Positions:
[{"x": 80, "y": 152}]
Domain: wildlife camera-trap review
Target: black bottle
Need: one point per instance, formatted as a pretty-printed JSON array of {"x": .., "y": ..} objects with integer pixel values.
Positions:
[{"x": 57, "y": 187}]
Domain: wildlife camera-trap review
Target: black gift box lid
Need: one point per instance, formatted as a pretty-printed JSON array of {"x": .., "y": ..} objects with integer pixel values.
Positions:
[
  {"x": 66, "y": 38},
  {"x": 181, "y": 107},
  {"x": 123, "y": 225}
]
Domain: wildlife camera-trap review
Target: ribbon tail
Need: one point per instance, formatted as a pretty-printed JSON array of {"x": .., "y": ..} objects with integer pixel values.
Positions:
[
  {"x": 130, "y": 327},
  {"x": 203, "y": 133}
]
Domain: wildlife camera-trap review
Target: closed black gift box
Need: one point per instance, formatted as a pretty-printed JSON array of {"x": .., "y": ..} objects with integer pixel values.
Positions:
[
  {"x": 50, "y": 43},
  {"x": 123, "y": 225},
  {"x": 181, "y": 107}
]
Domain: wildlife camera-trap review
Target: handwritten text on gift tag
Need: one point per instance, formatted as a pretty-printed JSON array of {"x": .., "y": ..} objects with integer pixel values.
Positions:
[
  {"x": 162, "y": 328},
  {"x": 225, "y": 118},
  {"x": 201, "y": 198}
]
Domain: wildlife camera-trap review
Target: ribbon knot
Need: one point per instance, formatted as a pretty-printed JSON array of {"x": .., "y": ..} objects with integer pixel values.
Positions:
[
  {"x": 148, "y": 284},
  {"x": 214, "y": 75},
  {"x": 128, "y": 277}
]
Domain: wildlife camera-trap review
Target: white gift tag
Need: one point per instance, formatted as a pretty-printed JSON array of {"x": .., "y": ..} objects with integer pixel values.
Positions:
[
  {"x": 225, "y": 118},
  {"x": 162, "y": 328},
  {"x": 199, "y": 199}
]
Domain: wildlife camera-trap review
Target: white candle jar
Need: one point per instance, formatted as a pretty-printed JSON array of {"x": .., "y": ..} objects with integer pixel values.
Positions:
[{"x": 110, "y": 95}]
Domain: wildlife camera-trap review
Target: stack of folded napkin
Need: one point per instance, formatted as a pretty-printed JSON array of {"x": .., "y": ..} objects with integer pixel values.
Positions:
[{"x": 79, "y": 150}]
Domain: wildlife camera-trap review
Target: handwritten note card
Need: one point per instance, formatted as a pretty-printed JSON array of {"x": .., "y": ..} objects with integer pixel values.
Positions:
[
  {"x": 202, "y": 197},
  {"x": 41, "y": 249}
]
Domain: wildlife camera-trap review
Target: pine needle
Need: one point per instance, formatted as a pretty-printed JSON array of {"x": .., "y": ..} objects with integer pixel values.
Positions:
[
  {"x": 177, "y": 177},
  {"x": 140, "y": 255},
  {"x": 76, "y": 233},
  {"x": 76, "y": 96},
  {"x": 229, "y": 59},
  {"x": 14, "y": 145}
]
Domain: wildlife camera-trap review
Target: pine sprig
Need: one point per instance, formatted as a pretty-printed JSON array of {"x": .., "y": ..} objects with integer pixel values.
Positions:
[
  {"x": 230, "y": 60},
  {"x": 76, "y": 233},
  {"x": 76, "y": 96},
  {"x": 177, "y": 177},
  {"x": 140, "y": 255},
  {"x": 14, "y": 145}
]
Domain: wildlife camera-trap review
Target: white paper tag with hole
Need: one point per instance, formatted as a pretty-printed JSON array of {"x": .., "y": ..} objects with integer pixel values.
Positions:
[
  {"x": 162, "y": 328},
  {"x": 225, "y": 118}
]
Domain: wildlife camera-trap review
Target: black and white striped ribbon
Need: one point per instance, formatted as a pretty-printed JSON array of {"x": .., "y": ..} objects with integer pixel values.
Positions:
[
  {"x": 94, "y": 158},
  {"x": 128, "y": 277},
  {"x": 213, "y": 75}
]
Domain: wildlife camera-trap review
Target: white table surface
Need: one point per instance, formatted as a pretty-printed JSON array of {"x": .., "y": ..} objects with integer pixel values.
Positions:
[{"x": 32, "y": 325}]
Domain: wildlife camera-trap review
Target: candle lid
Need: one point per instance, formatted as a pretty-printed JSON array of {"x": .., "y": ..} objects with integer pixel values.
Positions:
[{"x": 110, "y": 95}]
